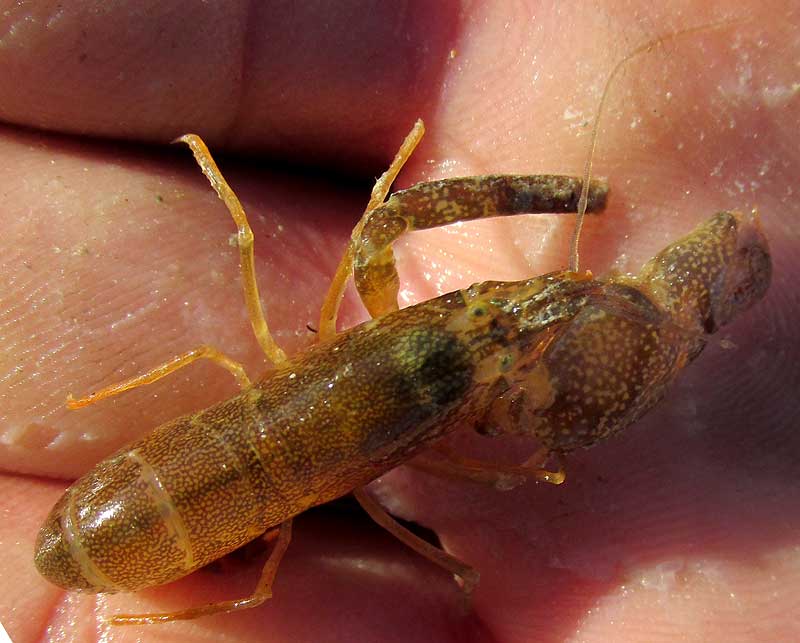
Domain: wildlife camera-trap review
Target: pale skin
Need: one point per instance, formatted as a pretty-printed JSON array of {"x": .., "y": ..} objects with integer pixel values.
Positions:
[{"x": 682, "y": 527}]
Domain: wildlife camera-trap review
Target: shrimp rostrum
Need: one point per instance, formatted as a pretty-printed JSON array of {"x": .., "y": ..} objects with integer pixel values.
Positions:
[{"x": 565, "y": 358}]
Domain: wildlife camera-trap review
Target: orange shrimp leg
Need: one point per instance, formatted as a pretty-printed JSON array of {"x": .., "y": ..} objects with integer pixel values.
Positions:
[
  {"x": 333, "y": 298},
  {"x": 467, "y": 574},
  {"x": 162, "y": 370},
  {"x": 501, "y": 476},
  {"x": 245, "y": 241},
  {"x": 429, "y": 205},
  {"x": 261, "y": 593}
]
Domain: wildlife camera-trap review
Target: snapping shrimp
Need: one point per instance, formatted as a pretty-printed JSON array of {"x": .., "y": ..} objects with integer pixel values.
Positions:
[{"x": 566, "y": 358}]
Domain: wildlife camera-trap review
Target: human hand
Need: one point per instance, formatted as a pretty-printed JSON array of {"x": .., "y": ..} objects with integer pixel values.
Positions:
[{"x": 115, "y": 267}]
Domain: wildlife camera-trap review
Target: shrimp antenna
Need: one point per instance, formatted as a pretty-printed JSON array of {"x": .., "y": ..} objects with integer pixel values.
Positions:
[{"x": 574, "y": 257}]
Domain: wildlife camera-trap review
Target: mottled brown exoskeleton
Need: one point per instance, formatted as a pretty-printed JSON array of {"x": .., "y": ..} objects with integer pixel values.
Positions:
[{"x": 565, "y": 358}]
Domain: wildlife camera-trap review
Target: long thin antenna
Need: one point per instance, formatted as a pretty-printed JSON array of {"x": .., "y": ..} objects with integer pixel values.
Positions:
[{"x": 574, "y": 257}]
